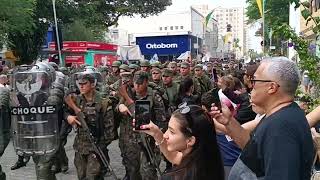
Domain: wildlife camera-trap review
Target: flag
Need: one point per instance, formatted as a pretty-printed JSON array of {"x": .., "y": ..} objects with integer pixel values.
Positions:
[
  {"x": 259, "y": 2},
  {"x": 208, "y": 17}
]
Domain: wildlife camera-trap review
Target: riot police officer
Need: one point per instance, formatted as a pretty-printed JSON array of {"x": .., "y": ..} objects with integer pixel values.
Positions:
[
  {"x": 5, "y": 123},
  {"x": 35, "y": 104}
]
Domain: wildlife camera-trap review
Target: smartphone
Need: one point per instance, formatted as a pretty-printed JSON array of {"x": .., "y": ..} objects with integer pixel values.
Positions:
[
  {"x": 142, "y": 113},
  {"x": 216, "y": 98}
]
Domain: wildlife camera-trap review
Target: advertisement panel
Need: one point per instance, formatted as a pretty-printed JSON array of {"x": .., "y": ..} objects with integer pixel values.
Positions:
[{"x": 164, "y": 45}]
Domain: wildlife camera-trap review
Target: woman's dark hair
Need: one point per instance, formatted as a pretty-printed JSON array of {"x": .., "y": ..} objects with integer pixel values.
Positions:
[
  {"x": 237, "y": 84},
  {"x": 197, "y": 123},
  {"x": 185, "y": 87}
]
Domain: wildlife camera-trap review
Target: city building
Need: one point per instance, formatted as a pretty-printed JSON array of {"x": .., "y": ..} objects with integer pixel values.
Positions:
[
  {"x": 234, "y": 17},
  {"x": 166, "y": 28}
]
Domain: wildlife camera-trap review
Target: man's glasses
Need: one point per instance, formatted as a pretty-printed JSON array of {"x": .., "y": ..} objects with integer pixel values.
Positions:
[
  {"x": 184, "y": 109},
  {"x": 253, "y": 81}
]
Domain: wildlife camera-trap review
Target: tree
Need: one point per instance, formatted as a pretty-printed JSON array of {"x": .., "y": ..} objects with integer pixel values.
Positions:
[
  {"x": 26, "y": 38},
  {"x": 276, "y": 13},
  {"x": 108, "y": 12},
  {"x": 77, "y": 31},
  {"x": 15, "y": 15}
]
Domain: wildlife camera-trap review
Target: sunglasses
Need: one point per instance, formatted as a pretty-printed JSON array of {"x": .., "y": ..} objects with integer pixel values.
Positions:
[{"x": 184, "y": 109}]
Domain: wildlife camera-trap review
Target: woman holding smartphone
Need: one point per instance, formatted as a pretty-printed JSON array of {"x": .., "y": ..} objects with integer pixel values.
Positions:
[{"x": 189, "y": 144}]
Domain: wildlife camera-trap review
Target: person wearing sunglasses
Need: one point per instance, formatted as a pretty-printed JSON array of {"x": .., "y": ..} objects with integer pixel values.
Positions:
[
  {"x": 280, "y": 147},
  {"x": 189, "y": 144}
]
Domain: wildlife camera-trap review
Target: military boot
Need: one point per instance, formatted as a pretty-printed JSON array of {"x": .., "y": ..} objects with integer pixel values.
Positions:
[{"x": 20, "y": 163}]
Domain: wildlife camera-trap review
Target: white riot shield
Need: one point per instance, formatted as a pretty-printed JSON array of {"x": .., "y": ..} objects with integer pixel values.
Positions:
[{"x": 34, "y": 119}]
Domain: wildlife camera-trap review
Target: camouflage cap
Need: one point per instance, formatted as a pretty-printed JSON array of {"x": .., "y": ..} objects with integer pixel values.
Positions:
[
  {"x": 140, "y": 77},
  {"x": 178, "y": 64},
  {"x": 103, "y": 69},
  {"x": 167, "y": 72},
  {"x": 134, "y": 66},
  {"x": 185, "y": 65},
  {"x": 200, "y": 66},
  {"x": 126, "y": 76},
  {"x": 116, "y": 64},
  {"x": 125, "y": 67},
  {"x": 172, "y": 64},
  {"x": 156, "y": 64},
  {"x": 144, "y": 63},
  {"x": 86, "y": 78},
  {"x": 156, "y": 70}
]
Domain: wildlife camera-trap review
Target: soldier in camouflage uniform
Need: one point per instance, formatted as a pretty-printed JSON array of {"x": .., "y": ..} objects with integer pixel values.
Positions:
[
  {"x": 135, "y": 159},
  {"x": 185, "y": 72},
  {"x": 114, "y": 75},
  {"x": 156, "y": 76},
  {"x": 173, "y": 66},
  {"x": 171, "y": 91},
  {"x": 155, "y": 64},
  {"x": 5, "y": 123},
  {"x": 205, "y": 83},
  {"x": 145, "y": 66},
  {"x": 99, "y": 116},
  {"x": 60, "y": 159},
  {"x": 134, "y": 68}
]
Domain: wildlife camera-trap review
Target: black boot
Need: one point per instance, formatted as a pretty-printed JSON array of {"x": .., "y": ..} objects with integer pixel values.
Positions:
[{"x": 20, "y": 163}]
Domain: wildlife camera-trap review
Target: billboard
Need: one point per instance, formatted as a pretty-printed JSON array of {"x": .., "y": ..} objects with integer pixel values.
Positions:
[{"x": 164, "y": 45}]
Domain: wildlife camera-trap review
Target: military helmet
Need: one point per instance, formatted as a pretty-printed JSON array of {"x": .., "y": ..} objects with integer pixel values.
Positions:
[
  {"x": 156, "y": 64},
  {"x": 103, "y": 69},
  {"x": 116, "y": 64},
  {"x": 43, "y": 66},
  {"x": 54, "y": 65},
  {"x": 134, "y": 66},
  {"x": 125, "y": 67},
  {"x": 144, "y": 63}
]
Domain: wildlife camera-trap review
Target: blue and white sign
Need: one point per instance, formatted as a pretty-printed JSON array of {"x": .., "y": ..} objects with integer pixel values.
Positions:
[{"x": 164, "y": 45}]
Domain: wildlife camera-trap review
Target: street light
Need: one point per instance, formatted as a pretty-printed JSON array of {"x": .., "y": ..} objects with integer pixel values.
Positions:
[{"x": 57, "y": 32}]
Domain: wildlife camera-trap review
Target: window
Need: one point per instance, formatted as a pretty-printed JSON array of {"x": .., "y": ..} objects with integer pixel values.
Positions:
[
  {"x": 177, "y": 27},
  {"x": 181, "y": 27},
  {"x": 165, "y": 28},
  {"x": 160, "y": 28},
  {"x": 171, "y": 27}
]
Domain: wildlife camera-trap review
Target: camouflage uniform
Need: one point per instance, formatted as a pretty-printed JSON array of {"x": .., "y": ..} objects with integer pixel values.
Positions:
[
  {"x": 135, "y": 160},
  {"x": 5, "y": 124},
  {"x": 205, "y": 82},
  {"x": 171, "y": 92},
  {"x": 112, "y": 78},
  {"x": 100, "y": 119}
]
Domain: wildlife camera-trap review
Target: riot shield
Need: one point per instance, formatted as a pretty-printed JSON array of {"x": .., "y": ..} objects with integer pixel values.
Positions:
[{"x": 34, "y": 118}]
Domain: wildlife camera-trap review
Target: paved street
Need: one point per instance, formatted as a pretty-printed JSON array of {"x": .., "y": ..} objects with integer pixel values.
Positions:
[{"x": 28, "y": 172}]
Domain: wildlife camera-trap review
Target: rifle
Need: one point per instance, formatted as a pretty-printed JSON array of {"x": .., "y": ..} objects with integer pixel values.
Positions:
[
  {"x": 84, "y": 125},
  {"x": 145, "y": 146},
  {"x": 149, "y": 153}
]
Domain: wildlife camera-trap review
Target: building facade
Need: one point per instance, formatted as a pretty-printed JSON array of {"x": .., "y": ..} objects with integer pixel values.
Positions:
[
  {"x": 188, "y": 23},
  {"x": 234, "y": 17}
]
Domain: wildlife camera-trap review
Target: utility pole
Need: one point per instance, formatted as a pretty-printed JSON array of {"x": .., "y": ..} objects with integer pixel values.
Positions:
[{"x": 57, "y": 32}]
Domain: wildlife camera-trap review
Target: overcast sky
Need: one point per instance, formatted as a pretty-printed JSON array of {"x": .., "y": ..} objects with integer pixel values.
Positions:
[{"x": 185, "y": 4}]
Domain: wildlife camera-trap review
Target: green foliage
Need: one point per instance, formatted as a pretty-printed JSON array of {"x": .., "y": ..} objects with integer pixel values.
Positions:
[
  {"x": 77, "y": 31},
  {"x": 24, "y": 23},
  {"x": 15, "y": 15},
  {"x": 108, "y": 12}
]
